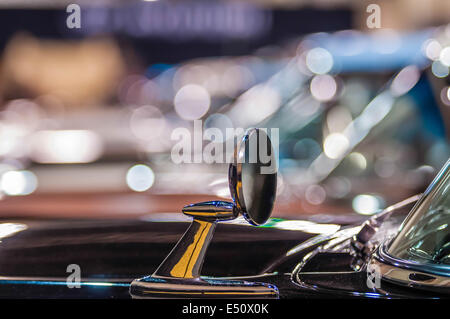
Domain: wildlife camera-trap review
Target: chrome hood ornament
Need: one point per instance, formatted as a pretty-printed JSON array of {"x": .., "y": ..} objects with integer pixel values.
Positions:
[{"x": 252, "y": 180}]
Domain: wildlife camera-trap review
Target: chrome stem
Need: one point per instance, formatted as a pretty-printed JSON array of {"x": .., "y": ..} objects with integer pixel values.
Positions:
[{"x": 186, "y": 258}]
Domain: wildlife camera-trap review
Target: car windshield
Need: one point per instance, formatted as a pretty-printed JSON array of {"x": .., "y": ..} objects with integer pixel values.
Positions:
[{"x": 424, "y": 237}]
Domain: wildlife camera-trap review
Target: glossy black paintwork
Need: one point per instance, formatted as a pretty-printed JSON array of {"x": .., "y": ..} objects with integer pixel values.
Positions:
[
  {"x": 122, "y": 250},
  {"x": 111, "y": 253}
]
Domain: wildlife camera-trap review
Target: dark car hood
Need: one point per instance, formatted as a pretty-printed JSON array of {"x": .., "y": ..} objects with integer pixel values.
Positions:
[
  {"x": 127, "y": 249},
  {"x": 35, "y": 254}
]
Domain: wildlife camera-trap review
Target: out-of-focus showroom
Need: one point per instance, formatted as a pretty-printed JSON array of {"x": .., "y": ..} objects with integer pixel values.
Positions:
[{"x": 87, "y": 113}]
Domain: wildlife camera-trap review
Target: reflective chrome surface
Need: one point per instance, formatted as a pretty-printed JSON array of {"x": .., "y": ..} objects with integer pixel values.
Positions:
[
  {"x": 153, "y": 287},
  {"x": 422, "y": 242},
  {"x": 212, "y": 211},
  {"x": 253, "y": 177},
  {"x": 253, "y": 188},
  {"x": 395, "y": 270},
  {"x": 424, "y": 237}
]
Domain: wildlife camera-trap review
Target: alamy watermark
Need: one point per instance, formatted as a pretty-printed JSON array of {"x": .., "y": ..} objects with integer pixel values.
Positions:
[
  {"x": 373, "y": 276},
  {"x": 220, "y": 148},
  {"x": 73, "y": 20},
  {"x": 374, "y": 19},
  {"x": 74, "y": 279}
]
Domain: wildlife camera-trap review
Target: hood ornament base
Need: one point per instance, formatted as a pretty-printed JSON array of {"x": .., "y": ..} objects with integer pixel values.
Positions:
[
  {"x": 203, "y": 287},
  {"x": 178, "y": 276}
]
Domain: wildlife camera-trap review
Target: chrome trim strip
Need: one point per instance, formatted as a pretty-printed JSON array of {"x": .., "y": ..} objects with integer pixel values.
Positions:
[
  {"x": 383, "y": 256},
  {"x": 407, "y": 276}
]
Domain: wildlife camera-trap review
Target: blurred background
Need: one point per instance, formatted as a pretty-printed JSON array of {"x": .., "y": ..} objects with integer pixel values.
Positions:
[{"x": 86, "y": 114}]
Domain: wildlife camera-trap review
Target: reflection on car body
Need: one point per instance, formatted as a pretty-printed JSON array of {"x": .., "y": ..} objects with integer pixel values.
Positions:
[{"x": 323, "y": 265}]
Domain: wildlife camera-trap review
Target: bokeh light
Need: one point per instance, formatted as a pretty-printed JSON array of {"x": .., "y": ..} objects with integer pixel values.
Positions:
[
  {"x": 366, "y": 204},
  {"x": 140, "y": 178},
  {"x": 66, "y": 146},
  {"x": 445, "y": 95},
  {"x": 358, "y": 160},
  {"x": 315, "y": 194},
  {"x": 439, "y": 70},
  {"x": 192, "y": 101},
  {"x": 335, "y": 145},
  {"x": 319, "y": 61},
  {"x": 323, "y": 87},
  {"x": 432, "y": 48},
  {"x": 444, "y": 56},
  {"x": 16, "y": 183}
]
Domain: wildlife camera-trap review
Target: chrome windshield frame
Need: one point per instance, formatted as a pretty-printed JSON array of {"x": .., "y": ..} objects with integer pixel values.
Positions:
[
  {"x": 382, "y": 255},
  {"x": 407, "y": 274}
]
